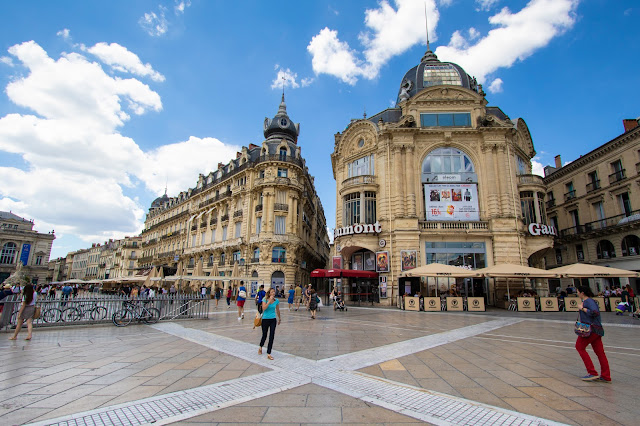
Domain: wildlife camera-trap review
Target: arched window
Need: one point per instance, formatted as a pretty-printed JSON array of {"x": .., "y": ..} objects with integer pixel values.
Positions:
[
  {"x": 256, "y": 255},
  {"x": 605, "y": 250},
  {"x": 222, "y": 259},
  {"x": 278, "y": 255},
  {"x": 630, "y": 245},
  {"x": 8, "y": 254},
  {"x": 283, "y": 153},
  {"x": 447, "y": 160}
]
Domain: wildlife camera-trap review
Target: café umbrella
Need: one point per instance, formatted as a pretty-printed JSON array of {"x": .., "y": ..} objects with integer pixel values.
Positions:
[
  {"x": 439, "y": 270},
  {"x": 585, "y": 270},
  {"x": 509, "y": 270}
]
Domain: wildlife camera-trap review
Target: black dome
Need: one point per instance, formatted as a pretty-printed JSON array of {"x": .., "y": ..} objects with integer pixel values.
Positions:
[
  {"x": 432, "y": 72},
  {"x": 281, "y": 125},
  {"x": 158, "y": 202}
]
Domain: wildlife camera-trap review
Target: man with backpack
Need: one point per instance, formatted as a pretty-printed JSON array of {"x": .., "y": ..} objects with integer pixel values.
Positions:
[{"x": 260, "y": 297}]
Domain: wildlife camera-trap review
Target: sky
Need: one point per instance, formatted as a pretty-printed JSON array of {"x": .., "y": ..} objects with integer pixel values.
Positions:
[{"x": 104, "y": 103}]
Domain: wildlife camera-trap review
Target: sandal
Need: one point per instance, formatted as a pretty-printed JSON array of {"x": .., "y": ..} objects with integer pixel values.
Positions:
[
  {"x": 260, "y": 351},
  {"x": 270, "y": 357}
]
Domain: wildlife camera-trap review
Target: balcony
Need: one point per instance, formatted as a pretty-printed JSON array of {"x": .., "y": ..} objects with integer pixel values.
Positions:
[
  {"x": 551, "y": 203},
  {"x": 213, "y": 221},
  {"x": 280, "y": 259},
  {"x": 221, "y": 262},
  {"x": 370, "y": 180},
  {"x": 209, "y": 264},
  {"x": 224, "y": 218},
  {"x": 194, "y": 227},
  {"x": 281, "y": 207},
  {"x": 255, "y": 260},
  {"x": 133, "y": 257},
  {"x": 237, "y": 213},
  {"x": 570, "y": 195},
  {"x": 593, "y": 185},
  {"x": 454, "y": 226},
  {"x": 281, "y": 158},
  {"x": 606, "y": 225},
  {"x": 617, "y": 176},
  {"x": 170, "y": 234},
  {"x": 203, "y": 224},
  {"x": 531, "y": 180},
  {"x": 259, "y": 208}
]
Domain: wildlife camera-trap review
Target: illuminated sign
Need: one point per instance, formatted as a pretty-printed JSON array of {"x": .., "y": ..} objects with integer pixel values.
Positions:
[
  {"x": 537, "y": 229},
  {"x": 366, "y": 228}
]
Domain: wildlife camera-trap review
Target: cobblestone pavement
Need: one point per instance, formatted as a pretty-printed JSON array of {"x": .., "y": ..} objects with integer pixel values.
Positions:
[{"x": 369, "y": 366}]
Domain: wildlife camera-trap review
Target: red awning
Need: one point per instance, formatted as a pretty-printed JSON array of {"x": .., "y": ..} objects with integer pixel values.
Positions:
[{"x": 346, "y": 273}]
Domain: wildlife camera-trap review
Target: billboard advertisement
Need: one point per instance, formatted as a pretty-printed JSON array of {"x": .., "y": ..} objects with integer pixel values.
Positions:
[
  {"x": 452, "y": 201},
  {"x": 24, "y": 256}
]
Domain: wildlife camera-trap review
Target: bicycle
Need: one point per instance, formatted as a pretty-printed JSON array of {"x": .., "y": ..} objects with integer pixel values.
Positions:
[
  {"x": 131, "y": 311},
  {"x": 76, "y": 313}
]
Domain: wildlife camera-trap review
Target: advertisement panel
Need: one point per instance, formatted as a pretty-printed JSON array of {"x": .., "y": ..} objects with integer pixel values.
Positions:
[
  {"x": 454, "y": 304},
  {"x": 24, "y": 256},
  {"x": 412, "y": 303},
  {"x": 451, "y": 201},
  {"x": 600, "y": 302},
  {"x": 337, "y": 262},
  {"x": 549, "y": 304},
  {"x": 382, "y": 285},
  {"x": 409, "y": 259},
  {"x": 475, "y": 304},
  {"x": 571, "y": 304},
  {"x": 526, "y": 304},
  {"x": 432, "y": 304},
  {"x": 382, "y": 261}
]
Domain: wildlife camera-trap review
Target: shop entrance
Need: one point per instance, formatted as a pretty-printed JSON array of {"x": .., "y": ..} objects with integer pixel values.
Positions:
[{"x": 277, "y": 281}]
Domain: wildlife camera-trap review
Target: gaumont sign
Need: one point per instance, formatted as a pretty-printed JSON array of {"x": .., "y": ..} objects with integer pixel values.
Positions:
[
  {"x": 537, "y": 229},
  {"x": 368, "y": 228}
]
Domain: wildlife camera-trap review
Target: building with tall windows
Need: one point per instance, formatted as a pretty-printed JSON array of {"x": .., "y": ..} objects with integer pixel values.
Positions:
[
  {"x": 441, "y": 177},
  {"x": 594, "y": 202},
  {"x": 260, "y": 209},
  {"x": 19, "y": 242}
]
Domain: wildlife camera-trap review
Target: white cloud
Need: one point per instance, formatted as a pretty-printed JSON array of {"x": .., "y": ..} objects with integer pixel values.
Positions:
[
  {"x": 473, "y": 33},
  {"x": 517, "y": 36},
  {"x": 121, "y": 59},
  {"x": 307, "y": 81},
  {"x": 155, "y": 25},
  {"x": 79, "y": 167},
  {"x": 496, "y": 86},
  {"x": 181, "y": 5},
  {"x": 65, "y": 34},
  {"x": 537, "y": 168},
  {"x": 286, "y": 77},
  {"x": 390, "y": 32},
  {"x": 334, "y": 11},
  {"x": 6, "y": 60},
  {"x": 445, "y": 3},
  {"x": 485, "y": 5}
]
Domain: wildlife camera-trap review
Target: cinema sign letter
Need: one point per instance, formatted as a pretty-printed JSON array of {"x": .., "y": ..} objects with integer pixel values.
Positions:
[
  {"x": 537, "y": 229},
  {"x": 366, "y": 228}
]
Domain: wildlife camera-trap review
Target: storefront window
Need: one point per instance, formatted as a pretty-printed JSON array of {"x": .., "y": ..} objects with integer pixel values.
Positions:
[{"x": 469, "y": 255}]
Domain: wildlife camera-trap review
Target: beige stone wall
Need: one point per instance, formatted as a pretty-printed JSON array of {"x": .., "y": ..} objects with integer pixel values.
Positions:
[{"x": 400, "y": 149}]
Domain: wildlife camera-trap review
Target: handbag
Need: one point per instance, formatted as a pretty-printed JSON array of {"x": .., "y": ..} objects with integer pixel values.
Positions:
[
  {"x": 257, "y": 322},
  {"x": 582, "y": 329},
  {"x": 36, "y": 313}
]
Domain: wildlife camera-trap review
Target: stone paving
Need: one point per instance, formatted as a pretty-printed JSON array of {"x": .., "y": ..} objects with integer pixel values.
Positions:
[{"x": 369, "y": 366}]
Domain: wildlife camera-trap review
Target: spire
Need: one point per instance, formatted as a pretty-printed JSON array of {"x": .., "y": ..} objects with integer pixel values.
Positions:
[
  {"x": 283, "y": 106},
  {"x": 429, "y": 55}
]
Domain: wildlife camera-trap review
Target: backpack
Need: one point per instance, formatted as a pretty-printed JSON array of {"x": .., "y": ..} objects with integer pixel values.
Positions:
[{"x": 242, "y": 294}]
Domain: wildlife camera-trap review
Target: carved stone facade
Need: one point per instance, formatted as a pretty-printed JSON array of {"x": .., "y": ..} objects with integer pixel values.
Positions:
[
  {"x": 443, "y": 174},
  {"x": 261, "y": 209},
  {"x": 19, "y": 242},
  {"x": 593, "y": 201}
]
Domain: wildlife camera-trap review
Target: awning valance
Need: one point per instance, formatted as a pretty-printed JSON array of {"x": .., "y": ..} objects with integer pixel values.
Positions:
[{"x": 343, "y": 273}]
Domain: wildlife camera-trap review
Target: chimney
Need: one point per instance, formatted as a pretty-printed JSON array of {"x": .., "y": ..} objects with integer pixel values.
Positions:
[
  {"x": 558, "y": 162},
  {"x": 629, "y": 124},
  {"x": 220, "y": 165}
]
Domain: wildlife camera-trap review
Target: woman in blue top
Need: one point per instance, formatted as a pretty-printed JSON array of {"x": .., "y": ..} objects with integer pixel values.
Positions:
[
  {"x": 270, "y": 309},
  {"x": 590, "y": 314}
]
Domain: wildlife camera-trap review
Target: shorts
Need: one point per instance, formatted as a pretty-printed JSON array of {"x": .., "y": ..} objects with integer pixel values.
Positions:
[
  {"x": 240, "y": 303},
  {"x": 28, "y": 312},
  {"x": 290, "y": 300}
]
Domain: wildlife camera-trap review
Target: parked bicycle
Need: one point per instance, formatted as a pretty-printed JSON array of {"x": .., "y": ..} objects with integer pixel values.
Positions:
[
  {"x": 92, "y": 310},
  {"x": 136, "y": 311}
]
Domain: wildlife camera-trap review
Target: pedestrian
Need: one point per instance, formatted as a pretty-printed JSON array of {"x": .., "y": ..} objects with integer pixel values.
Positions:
[
  {"x": 270, "y": 310},
  {"x": 632, "y": 297},
  {"x": 305, "y": 295},
  {"x": 6, "y": 291},
  {"x": 624, "y": 304},
  {"x": 260, "y": 297},
  {"x": 203, "y": 291},
  {"x": 313, "y": 303},
  {"x": 75, "y": 291},
  {"x": 292, "y": 294},
  {"x": 590, "y": 315},
  {"x": 217, "y": 294},
  {"x": 27, "y": 309},
  {"x": 298, "y": 296},
  {"x": 229, "y": 294},
  {"x": 240, "y": 299},
  {"x": 52, "y": 292}
]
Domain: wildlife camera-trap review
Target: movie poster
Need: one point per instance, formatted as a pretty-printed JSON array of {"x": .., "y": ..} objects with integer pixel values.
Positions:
[
  {"x": 357, "y": 262},
  {"x": 451, "y": 201},
  {"x": 382, "y": 261},
  {"x": 337, "y": 262},
  {"x": 409, "y": 259}
]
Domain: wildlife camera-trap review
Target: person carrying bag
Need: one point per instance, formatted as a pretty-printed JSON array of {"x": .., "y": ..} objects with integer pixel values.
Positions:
[{"x": 589, "y": 330}]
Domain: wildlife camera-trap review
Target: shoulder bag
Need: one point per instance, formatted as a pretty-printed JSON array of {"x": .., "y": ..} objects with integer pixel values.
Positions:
[
  {"x": 582, "y": 329},
  {"x": 257, "y": 322}
]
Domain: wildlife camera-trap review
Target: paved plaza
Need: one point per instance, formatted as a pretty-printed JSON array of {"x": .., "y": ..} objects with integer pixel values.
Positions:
[{"x": 364, "y": 366}]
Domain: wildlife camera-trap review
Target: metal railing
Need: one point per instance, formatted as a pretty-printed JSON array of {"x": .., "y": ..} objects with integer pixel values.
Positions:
[
  {"x": 530, "y": 180},
  {"x": 95, "y": 308},
  {"x": 551, "y": 203},
  {"x": 593, "y": 185},
  {"x": 570, "y": 195},
  {"x": 452, "y": 225},
  {"x": 596, "y": 225},
  {"x": 617, "y": 176}
]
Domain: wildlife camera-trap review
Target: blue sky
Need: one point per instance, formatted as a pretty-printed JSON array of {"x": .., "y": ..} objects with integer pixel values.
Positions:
[{"x": 105, "y": 102}]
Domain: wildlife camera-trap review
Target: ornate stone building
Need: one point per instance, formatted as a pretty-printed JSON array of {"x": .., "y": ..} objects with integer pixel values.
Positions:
[
  {"x": 593, "y": 201},
  {"x": 442, "y": 177},
  {"x": 20, "y": 243},
  {"x": 261, "y": 209}
]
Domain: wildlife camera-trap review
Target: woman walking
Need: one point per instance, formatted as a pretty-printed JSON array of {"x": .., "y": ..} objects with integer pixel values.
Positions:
[
  {"x": 313, "y": 303},
  {"x": 589, "y": 314},
  {"x": 270, "y": 310},
  {"x": 27, "y": 309}
]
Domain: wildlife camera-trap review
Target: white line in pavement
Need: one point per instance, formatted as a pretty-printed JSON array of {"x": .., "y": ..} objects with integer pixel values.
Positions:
[
  {"x": 572, "y": 342},
  {"x": 292, "y": 371},
  {"x": 546, "y": 344}
]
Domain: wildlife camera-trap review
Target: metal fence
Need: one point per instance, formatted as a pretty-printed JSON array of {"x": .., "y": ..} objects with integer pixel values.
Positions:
[{"x": 98, "y": 309}]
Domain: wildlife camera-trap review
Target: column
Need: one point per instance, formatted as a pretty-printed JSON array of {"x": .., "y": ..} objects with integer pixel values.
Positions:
[
  {"x": 290, "y": 224},
  {"x": 294, "y": 217},
  {"x": 399, "y": 177},
  {"x": 410, "y": 174}
]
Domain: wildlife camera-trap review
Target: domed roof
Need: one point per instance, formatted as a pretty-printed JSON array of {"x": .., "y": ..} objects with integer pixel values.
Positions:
[
  {"x": 158, "y": 202},
  {"x": 432, "y": 72},
  {"x": 281, "y": 125}
]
